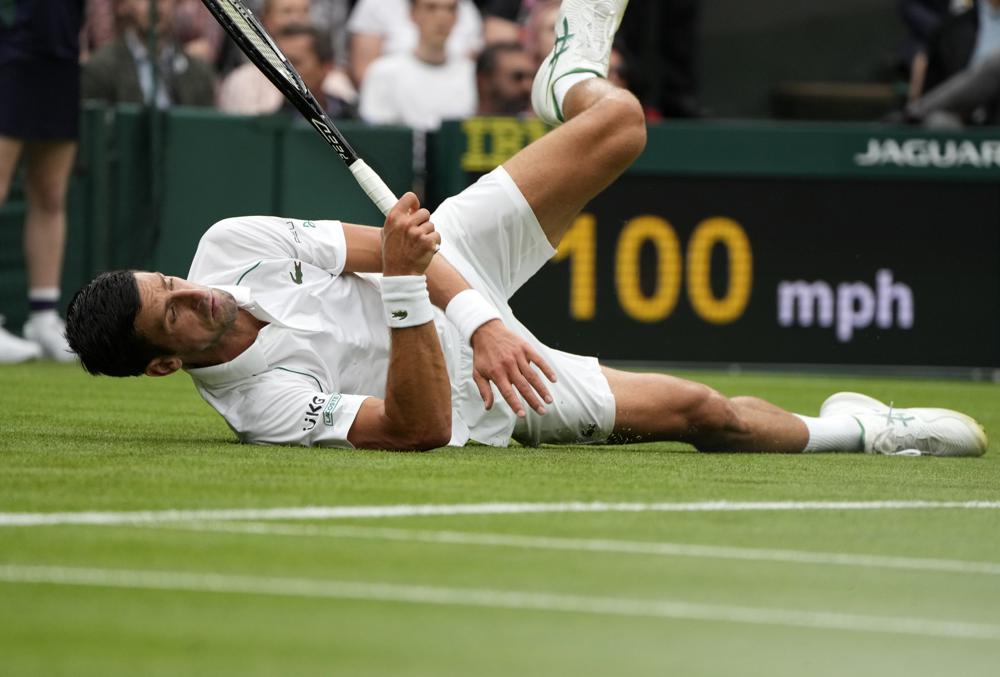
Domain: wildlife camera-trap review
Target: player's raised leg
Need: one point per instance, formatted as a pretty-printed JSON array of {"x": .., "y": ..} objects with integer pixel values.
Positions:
[{"x": 605, "y": 129}]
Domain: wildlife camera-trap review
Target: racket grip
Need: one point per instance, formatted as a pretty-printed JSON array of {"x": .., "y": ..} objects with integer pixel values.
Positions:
[{"x": 374, "y": 186}]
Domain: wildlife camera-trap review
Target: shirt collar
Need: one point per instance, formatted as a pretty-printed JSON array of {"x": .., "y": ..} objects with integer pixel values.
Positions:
[
  {"x": 245, "y": 300},
  {"x": 251, "y": 361}
]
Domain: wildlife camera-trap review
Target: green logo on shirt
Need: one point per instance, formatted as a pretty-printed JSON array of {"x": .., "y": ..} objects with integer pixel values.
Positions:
[
  {"x": 297, "y": 275},
  {"x": 399, "y": 314},
  {"x": 328, "y": 411}
]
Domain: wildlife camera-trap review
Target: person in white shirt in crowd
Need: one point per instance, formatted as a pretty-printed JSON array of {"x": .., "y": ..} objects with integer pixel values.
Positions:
[
  {"x": 422, "y": 87},
  {"x": 322, "y": 333},
  {"x": 246, "y": 91},
  {"x": 380, "y": 27}
]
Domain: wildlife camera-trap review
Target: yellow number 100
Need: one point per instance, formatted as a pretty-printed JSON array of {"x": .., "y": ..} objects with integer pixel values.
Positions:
[{"x": 580, "y": 246}]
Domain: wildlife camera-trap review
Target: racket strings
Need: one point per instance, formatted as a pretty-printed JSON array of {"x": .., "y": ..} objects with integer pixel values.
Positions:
[{"x": 263, "y": 46}]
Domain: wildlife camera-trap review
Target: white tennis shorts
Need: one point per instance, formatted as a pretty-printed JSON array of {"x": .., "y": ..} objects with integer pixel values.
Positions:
[{"x": 491, "y": 236}]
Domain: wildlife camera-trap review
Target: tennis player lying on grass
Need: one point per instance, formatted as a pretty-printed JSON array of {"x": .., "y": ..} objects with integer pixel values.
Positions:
[{"x": 329, "y": 334}]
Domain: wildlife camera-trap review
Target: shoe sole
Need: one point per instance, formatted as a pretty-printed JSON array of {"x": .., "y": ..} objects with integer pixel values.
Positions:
[{"x": 544, "y": 97}]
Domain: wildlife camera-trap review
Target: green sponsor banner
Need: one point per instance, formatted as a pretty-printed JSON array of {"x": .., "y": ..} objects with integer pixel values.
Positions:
[{"x": 770, "y": 149}]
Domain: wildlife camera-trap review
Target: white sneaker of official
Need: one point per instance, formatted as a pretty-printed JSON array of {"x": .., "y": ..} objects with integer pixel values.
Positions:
[
  {"x": 14, "y": 349},
  {"x": 49, "y": 332},
  {"x": 909, "y": 432},
  {"x": 585, "y": 33}
]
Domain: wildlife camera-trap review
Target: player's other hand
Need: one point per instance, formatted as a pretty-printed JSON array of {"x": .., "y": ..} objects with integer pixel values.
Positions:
[
  {"x": 409, "y": 240},
  {"x": 502, "y": 357}
]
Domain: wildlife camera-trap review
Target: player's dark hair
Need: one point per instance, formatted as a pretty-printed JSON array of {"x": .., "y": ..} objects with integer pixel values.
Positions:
[
  {"x": 489, "y": 58},
  {"x": 100, "y": 326}
]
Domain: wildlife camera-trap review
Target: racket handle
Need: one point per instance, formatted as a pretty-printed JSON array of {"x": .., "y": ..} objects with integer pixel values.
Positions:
[{"x": 374, "y": 186}]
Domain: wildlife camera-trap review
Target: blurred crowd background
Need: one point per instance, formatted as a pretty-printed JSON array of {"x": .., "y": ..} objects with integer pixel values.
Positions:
[{"x": 417, "y": 62}]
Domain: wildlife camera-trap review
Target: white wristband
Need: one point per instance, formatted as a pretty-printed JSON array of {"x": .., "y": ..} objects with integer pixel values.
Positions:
[
  {"x": 406, "y": 301},
  {"x": 468, "y": 311}
]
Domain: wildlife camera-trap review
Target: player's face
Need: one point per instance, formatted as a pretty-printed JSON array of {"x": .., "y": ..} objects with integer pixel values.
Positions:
[
  {"x": 435, "y": 19},
  {"x": 182, "y": 317}
]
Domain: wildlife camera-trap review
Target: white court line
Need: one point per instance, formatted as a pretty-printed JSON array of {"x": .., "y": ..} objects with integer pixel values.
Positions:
[
  {"x": 14, "y": 519},
  {"x": 493, "y": 599},
  {"x": 601, "y": 545}
]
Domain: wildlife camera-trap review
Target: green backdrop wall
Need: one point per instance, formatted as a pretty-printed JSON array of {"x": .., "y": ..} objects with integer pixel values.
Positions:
[{"x": 725, "y": 242}]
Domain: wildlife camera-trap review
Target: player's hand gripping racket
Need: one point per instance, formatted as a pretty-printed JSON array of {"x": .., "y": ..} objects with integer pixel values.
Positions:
[{"x": 251, "y": 37}]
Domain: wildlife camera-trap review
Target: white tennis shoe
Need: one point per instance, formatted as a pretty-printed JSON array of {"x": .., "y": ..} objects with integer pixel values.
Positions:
[
  {"x": 585, "y": 32},
  {"x": 909, "y": 432},
  {"x": 49, "y": 332},
  {"x": 14, "y": 349}
]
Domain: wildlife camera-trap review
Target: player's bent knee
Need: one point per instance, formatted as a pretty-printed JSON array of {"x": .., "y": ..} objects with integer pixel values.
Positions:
[{"x": 629, "y": 122}]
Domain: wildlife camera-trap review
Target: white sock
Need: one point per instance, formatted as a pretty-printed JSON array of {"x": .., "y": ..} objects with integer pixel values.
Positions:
[
  {"x": 562, "y": 86},
  {"x": 832, "y": 433},
  {"x": 43, "y": 294},
  {"x": 42, "y": 301}
]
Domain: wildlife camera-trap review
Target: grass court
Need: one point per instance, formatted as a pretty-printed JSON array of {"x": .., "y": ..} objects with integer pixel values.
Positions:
[{"x": 639, "y": 560}]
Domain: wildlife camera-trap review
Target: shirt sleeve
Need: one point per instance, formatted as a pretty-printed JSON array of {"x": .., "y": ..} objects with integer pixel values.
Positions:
[
  {"x": 290, "y": 411},
  {"x": 233, "y": 242}
]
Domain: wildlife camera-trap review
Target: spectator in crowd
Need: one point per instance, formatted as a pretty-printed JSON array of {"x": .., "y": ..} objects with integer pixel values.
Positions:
[
  {"x": 99, "y": 25},
  {"x": 383, "y": 27},
  {"x": 310, "y": 52},
  {"x": 330, "y": 16},
  {"x": 123, "y": 72},
  {"x": 39, "y": 121},
  {"x": 665, "y": 33},
  {"x": 193, "y": 28},
  {"x": 922, "y": 18},
  {"x": 970, "y": 96},
  {"x": 197, "y": 31},
  {"x": 540, "y": 28},
  {"x": 246, "y": 91},
  {"x": 504, "y": 73},
  {"x": 422, "y": 87},
  {"x": 964, "y": 39},
  {"x": 503, "y": 20},
  {"x": 957, "y": 84}
]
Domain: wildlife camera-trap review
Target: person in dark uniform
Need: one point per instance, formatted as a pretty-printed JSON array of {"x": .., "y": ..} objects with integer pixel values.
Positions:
[{"x": 39, "y": 124}]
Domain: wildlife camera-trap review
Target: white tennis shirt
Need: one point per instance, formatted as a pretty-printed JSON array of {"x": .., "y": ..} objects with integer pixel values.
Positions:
[{"x": 326, "y": 347}]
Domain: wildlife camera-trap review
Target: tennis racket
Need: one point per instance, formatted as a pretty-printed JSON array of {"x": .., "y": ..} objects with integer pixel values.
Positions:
[{"x": 250, "y": 36}]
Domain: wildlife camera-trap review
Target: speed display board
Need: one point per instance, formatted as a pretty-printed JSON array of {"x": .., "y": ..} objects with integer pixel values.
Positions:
[
  {"x": 817, "y": 247},
  {"x": 738, "y": 270}
]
